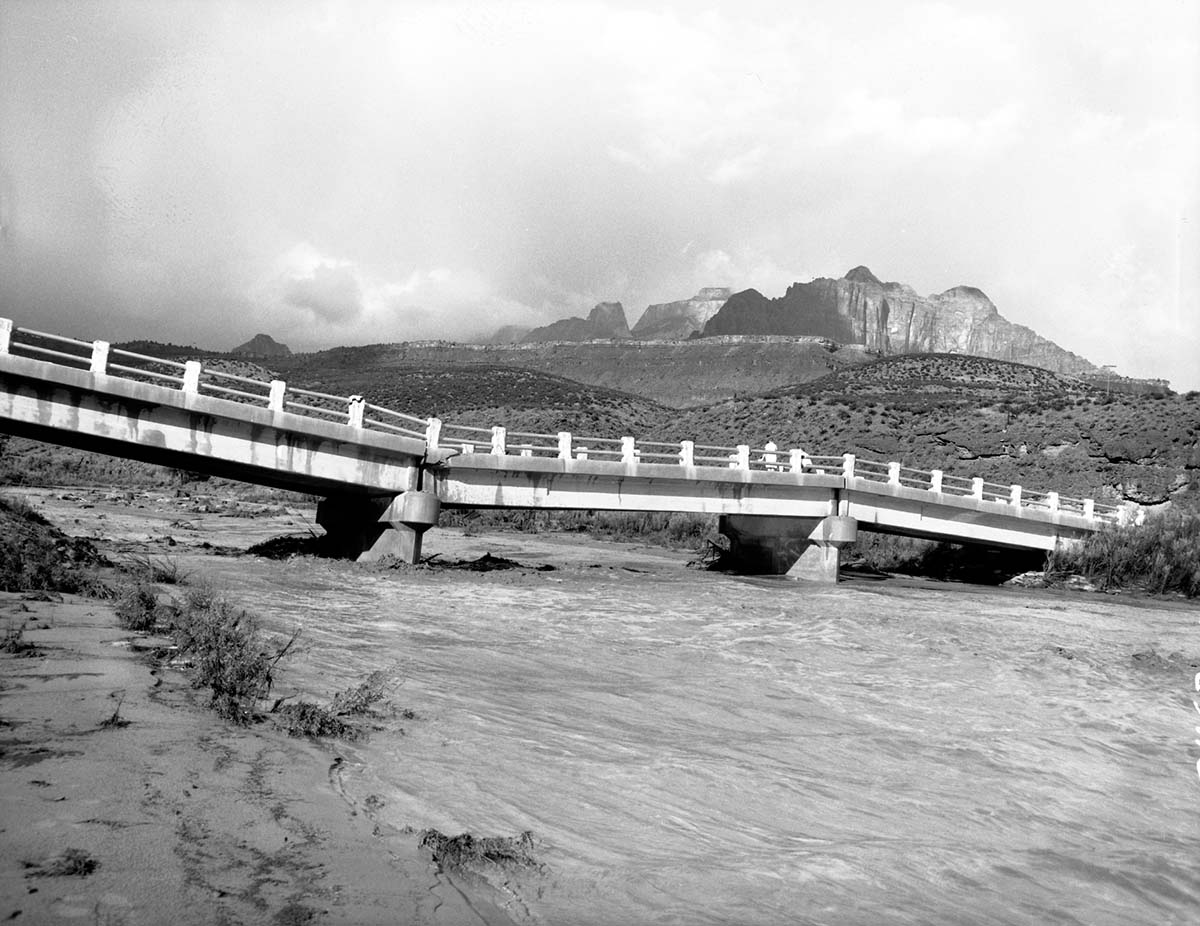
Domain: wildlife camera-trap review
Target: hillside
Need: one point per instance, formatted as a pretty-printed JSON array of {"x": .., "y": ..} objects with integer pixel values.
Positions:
[
  {"x": 673, "y": 373},
  {"x": 1009, "y": 423}
]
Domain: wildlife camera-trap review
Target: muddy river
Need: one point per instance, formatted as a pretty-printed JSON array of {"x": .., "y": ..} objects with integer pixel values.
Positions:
[{"x": 689, "y": 747}]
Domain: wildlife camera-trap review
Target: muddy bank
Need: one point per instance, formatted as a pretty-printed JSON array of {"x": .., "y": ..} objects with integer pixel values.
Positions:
[{"x": 122, "y": 800}]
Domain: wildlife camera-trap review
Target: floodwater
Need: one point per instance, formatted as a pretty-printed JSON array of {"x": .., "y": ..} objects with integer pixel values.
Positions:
[{"x": 696, "y": 748}]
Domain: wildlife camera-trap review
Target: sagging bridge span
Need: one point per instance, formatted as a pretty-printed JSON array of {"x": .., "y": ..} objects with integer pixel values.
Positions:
[{"x": 385, "y": 475}]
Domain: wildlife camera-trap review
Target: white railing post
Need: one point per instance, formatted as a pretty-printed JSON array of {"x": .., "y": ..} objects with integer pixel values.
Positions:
[
  {"x": 564, "y": 445},
  {"x": 1089, "y": 509},
  {"x": 1052, "y": 501},
  {"x": 356, "y": 410},
  {"x": 499, "y": 441},
  {"x": 191, "y": 376},
  {"x": 99, "y": 357},
  {"x": 743, "y": 456},
  {"x": 894, "y": 473},
  {"x": 1014, "y": 496},
  {"x": 977, "y": 488},
  {"x": 276, "y": 397},
  {"x": 935, "y": 481},
  {"x": 628, "y": 450},
  {"x": 848, "y": 465},
  {"x": 433, "y": 432},
  {"x": 687, "y": 453},
  {"x": 6, "y": 327}
]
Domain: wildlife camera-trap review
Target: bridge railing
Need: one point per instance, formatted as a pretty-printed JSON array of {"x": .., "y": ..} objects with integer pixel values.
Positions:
[
  {"x": 38, "y": 344},
  {"x": 195, "y": 377},
  {"x": 610, "y": 449},
  {"x": 397, "y": 422}
]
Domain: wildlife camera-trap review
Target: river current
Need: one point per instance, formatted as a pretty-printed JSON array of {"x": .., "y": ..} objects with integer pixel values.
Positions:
[{"x": 689, "y": 747}]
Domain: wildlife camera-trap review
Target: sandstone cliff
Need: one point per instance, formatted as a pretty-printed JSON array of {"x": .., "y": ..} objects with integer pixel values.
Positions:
[
  {"x": 677, "y": 320},
  {"x": 892, "y": 318},
  {"x": 606, "y": 320}
]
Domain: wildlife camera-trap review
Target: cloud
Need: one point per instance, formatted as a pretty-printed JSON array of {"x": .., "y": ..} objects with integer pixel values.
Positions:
[
  {"x": 363, "y": 170},
  {"x": 331, "y": 293}
]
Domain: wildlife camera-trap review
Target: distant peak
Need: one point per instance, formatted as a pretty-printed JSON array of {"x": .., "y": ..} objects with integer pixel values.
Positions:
[
  {"x": 969, "y": 292},
  {"x": 861, "y": 274},
  {"x": 262, "y": 345}
]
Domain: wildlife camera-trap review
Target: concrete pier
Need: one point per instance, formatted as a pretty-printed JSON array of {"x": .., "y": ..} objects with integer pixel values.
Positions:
[
  {"x": 801, "y": 548},
  {"x": 370, "y": 528}
]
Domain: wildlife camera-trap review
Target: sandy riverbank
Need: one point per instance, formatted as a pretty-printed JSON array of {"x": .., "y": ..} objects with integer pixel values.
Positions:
[{"x": 188, "y": 819}]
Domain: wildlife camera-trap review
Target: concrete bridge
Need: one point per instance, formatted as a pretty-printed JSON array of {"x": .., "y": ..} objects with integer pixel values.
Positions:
[{"x": 385, "y": 475}]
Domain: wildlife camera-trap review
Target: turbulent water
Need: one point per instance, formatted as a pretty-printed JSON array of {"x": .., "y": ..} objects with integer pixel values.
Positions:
[{"x": 696, "y": 748}]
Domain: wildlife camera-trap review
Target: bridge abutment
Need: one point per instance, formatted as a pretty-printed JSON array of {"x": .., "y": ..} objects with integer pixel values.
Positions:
[
  {"x": 801, "y": 548},
  {"x": 370, "y": 528}
]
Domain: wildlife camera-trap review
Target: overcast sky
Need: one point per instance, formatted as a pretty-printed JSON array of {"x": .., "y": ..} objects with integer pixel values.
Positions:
[{"x": 353, "y": 172}]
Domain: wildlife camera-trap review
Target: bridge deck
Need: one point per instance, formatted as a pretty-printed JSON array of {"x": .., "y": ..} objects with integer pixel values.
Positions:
[{"x": 204, "y": 418}]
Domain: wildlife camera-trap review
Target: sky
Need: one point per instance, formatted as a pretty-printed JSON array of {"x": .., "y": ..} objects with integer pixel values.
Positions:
[{"x": 356, "y": 172}]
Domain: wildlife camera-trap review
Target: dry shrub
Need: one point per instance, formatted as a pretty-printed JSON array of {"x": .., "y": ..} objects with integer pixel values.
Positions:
[
  {"x": 229, "y": 654},
  {"x": 466, "y": 851},
  {"x": 138, "y": 607},
  {"x": 346, "y": 715}
]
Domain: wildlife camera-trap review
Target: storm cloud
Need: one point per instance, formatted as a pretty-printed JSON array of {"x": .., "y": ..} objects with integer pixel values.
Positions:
[{"x": 358, "y": 171}]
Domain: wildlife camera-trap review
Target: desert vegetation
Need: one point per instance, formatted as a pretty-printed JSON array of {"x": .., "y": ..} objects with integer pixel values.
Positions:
[
  {"x": 1160, "y": 556},
  {"x": 677, "y": 530}
]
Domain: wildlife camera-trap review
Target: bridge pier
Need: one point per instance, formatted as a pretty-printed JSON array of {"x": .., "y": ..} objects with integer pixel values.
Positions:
[
  {"x": 800, "y": 548},
  {"x": 370, "y": 528}
]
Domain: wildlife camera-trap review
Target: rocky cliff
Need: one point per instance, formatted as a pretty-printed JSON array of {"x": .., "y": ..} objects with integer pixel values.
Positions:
[
  {"x": 893, "y": 319},
  {"x": 606, "y": 320},
  {"x": 677, "y": 320}
]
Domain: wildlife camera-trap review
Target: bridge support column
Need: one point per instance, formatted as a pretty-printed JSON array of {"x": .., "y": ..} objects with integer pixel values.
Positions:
[
  {"x": 370, "y": 528},
  {"x": 801, "y": 548}
]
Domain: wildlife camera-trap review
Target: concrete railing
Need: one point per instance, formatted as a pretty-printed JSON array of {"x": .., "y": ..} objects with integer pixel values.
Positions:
[{"x": 192, "y": 376}]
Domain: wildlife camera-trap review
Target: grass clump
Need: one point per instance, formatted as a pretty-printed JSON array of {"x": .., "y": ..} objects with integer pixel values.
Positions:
[
  {"x": 138, "y": 607},
  {"x": 71, "y": 863},
  {"x": 1160, "y": 556},
  {"x": 164, "y": 571}
]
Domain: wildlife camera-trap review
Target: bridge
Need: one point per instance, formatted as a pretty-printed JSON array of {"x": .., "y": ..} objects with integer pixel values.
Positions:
[{"x": 384, "y": 475}]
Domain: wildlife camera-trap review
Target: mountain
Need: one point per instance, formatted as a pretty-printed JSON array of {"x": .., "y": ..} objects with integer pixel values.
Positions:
[
  {"x": 262, "y": 346},
  {"x": 606, "y": 320},
  {"x": 509, "y": 334},
  {"x": 892, "y": 318},
  {"x": 679, "y": 320}
]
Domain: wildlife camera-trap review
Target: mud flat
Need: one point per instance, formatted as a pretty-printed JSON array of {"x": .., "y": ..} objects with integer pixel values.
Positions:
[{"x": 684, "y": 747}]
